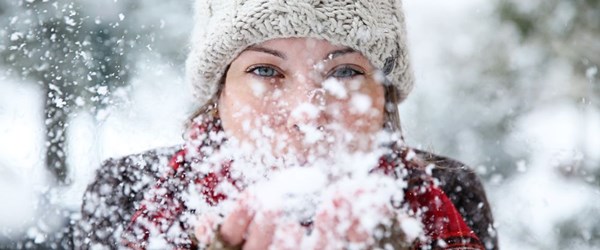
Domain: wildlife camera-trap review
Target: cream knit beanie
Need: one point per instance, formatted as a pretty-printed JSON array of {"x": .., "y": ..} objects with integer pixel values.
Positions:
[{"x": 224, "y": 28}]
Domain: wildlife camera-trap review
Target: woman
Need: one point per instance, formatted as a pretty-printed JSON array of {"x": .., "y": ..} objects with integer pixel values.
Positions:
[{"x": 297, "y": 144}]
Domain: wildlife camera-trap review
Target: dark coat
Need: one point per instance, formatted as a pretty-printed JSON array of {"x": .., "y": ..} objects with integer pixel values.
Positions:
[{"x": 115, "y": 195}]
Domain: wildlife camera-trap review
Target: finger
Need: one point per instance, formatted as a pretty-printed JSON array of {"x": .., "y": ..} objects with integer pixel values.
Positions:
[
  {"x": 261, "y": 231},
  {"x": 357, "y": 233},
  {"x": 324, "y": 233},
  {"x": 336, "y": 225},
  {"x": 288, "y": 235},
  {"x": 204, "y": 231},
  {"x": 321, "y": 238},
  {"x": 236, "y": 224}
]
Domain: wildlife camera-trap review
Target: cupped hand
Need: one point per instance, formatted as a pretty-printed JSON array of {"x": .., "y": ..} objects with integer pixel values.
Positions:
[
  {"x": 351, "y": 219},
  {"x": 249, "y": 227}
]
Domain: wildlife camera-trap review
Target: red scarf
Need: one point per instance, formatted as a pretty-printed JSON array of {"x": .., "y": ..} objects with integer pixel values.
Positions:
[{"x": 161, "y": 212}]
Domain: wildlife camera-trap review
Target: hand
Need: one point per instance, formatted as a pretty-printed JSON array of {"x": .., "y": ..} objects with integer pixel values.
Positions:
[
  {"x": 340, "y": 222},
  {"x": 363, "y": 219},
  {"x": 249, "y": 228},
  {"x": 360, "y": 218},
  {"x": 204, "y": 232}
]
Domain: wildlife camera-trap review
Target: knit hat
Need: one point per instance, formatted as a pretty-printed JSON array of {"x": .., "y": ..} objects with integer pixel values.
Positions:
[{"x": 224, "y": 28}]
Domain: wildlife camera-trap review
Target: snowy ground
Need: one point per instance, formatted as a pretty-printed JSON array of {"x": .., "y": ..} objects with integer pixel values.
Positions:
[{"x": 526, "y": 207}]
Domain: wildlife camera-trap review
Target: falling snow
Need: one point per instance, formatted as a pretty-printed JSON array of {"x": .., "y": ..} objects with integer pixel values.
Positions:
[{"x": 521, "y": 111}]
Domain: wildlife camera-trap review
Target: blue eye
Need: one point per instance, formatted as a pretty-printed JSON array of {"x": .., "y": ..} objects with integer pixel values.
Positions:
[
  {"x": 264, "y": 71},
  {"x": 345, "y": 72}
]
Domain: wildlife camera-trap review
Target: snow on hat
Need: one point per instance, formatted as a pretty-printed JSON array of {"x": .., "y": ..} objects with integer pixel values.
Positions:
[{"x": 224, "y": 28}]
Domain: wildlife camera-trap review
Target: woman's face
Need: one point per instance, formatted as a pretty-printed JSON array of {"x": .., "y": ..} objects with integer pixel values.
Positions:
[{"x": 301, "y": 97}]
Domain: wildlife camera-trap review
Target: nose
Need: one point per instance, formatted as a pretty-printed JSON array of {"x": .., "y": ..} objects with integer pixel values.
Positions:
[
  {"x": 317, "y": 97},
  {"x": 309, "y": 109}
]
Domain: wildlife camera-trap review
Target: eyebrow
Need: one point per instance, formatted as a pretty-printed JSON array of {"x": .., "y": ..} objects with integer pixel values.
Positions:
[
  {"x": 265, "y": 50},
  {"x": 330, "y": 55},
  {"x": 337, "y": 53}
]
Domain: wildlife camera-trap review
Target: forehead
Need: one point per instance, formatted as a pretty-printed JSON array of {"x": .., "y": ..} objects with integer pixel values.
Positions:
[
  {"x": 306, "y": 50},
  {"x": 298, "y": 42},
  {"x": 300, "y": 47}
]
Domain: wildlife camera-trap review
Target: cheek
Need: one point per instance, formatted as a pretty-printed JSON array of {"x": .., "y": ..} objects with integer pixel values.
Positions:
[
  {"x": 362, "y": 111},
  {"x": 252, "y": 107},
  {"x": 233, "y": 113}
]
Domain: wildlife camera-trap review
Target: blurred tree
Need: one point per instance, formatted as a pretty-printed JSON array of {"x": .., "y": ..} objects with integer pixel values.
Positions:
[
  {"x": 566, "y": 33},
  {"x": 526, "y": 58},
  {"x": 80, "y": 52},
  {"x": 75, "y": 59},
  {"x": 541, "y": 52},
  {"x": 565, "y": 30}
]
